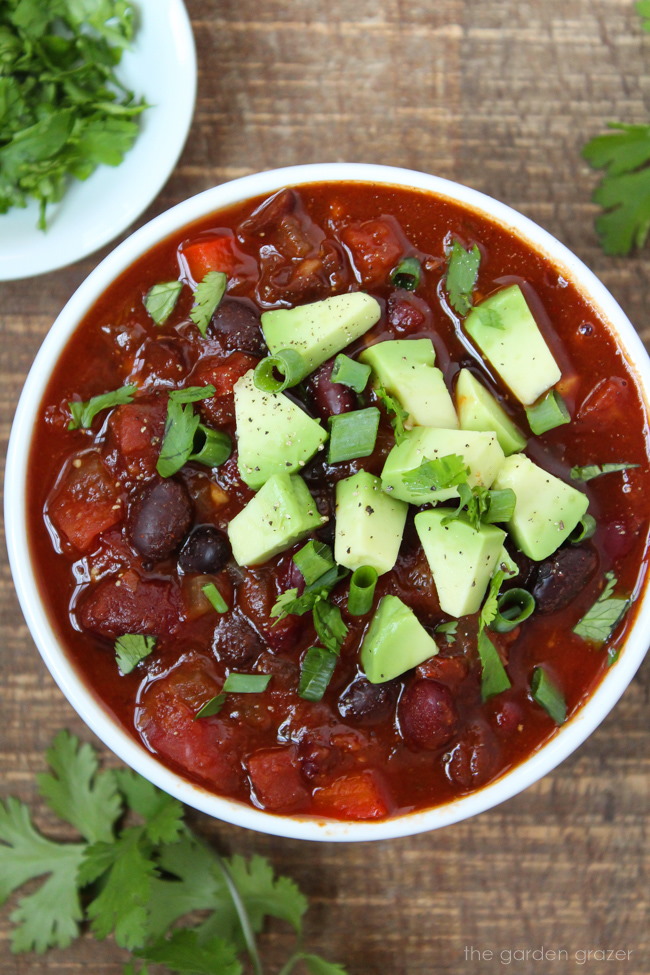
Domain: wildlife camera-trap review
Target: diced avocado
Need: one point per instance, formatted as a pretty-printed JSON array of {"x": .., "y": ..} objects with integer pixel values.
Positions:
[
  {"x": 480, "y": 451},
  {"x": 462, "y": 559},
  {"x": 281, "y": 514},
  {"x": 547, "y": 509},
  {"x": 394, "y": 642},
  {"x": 405, "y": 368},
  {"x": 369, "y": 524},
  {"x": 507, "y": 334},
  {"x": 274, "y": 436},
  {"x": 321, "y": 329},
  {"x": 479, "y": 410}
]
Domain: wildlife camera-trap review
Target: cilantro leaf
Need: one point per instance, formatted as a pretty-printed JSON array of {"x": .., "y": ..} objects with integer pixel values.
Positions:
[
  {"x": 590, "y": 471},
  {"x": 207, "y": 298},
  {"x": 211, "y": 707},
  {"x": 437, "y": 474},
  {"x": 77, "y": 791},
  {"x": 494, "y": 678},
  {"x": 479, "y": 505},
  {"x": 448, "y": 630},
  {"x": 491, "y": 318},
  {"x": 490, "y": 607},
  {"x": 599, "y": 622},
  {"x": 50, "y": 916},
  {"x": 264, "y": 894},
  {"x": 329, "y": 625},
  {"x": 318, "y": 966},
  {"x": 462, "y": 272},
  {"x": 83, "y": 413},
  {"x": 184, "y": 952},
  {"x": 181, "y": 425},
  {"x": 399, "y": 415},
  {"x": 163, "y": 814},
  {"x": 130, "y": 649},
  {"x": 160, "y": 300},
  {"x": 643, "y": 9},
  {"x": 289, "y": 603}
]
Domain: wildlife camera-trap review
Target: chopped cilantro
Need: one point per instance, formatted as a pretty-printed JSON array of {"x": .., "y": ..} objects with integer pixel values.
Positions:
[
  {"x": 462, "y": 272},
  {"x": 399, "y": 414},
  {"x": 590, "y": 471},
  {"x": 548, "y": 695},
  {"x": 329, "y": 625},
  {"x": 490, "y": 607},
  {"x": 448, "y": 630},
  {"x": 211, "y": 707},
  {"x": 130, "y": 649},
  {"x": 479, "y": 505},
  {"x": 160, "y": 300},
  {"x": 207, "y": 298},
  {"x": 494, "y": 678},
  {"x": 599, "y": 622},
  {"x": 84, "y": 413},
  {"x": 316, "y": 672},
  {"x": 437, "y": 474},
  {"x": 181, "y": 425},
  {"x": 491, "y": 318}
]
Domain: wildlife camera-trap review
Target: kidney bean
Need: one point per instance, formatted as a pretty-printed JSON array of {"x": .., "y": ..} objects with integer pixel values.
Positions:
[
  {"x": 407, "y": 313},
  {"x": 129, "y": 603},
  {"x": 206, "y": 550},
  {"x": 160, "y": 519},
  {"x": 328, "y": 398},
  {"x": 364, "y": 703},
  {"x": 234, "y": 641},
  {"x": 474, "y": 758},
  {"x": 236, "y": 326},
  {"x": 427, "y": 714},
  {"x": 507, "y": 717},
  {"x": 317, "y": 759},
  {"x": 559, "y": 579},
  {"x": 289, "y": 575},
  {"x": 268, "y": 216}
]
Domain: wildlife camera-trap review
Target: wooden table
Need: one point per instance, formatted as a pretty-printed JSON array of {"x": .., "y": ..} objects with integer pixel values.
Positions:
[{"x": 498, "y": 94}]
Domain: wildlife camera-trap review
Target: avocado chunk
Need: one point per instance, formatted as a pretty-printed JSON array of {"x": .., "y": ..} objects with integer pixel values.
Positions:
[
  {"x": 369, "y": 524},
  {"x": 480, "y": 452},
  {"x": 406, "y": 370},
  {"x": 282, "y": 513},
  {"x": 274, "y": 436},
  {"x": 394, "y": 642},
  {"x": 462, "y": 559},
  {"x": 321, "y": 329},
  {"x": 507, "y": 334},
  {"x": 479, "y": 410},
  {"x": 547, "y": 510}
]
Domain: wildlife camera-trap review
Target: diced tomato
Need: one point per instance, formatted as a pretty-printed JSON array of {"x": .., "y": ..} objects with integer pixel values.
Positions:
[
  {"x": 608, "y": 402},
  {"x": 358, "y": 796},
  {"x": 376, "y": 247},
  {"x": 276, "y": 780},
  {"x": 136, "y": 430},
  {"x": 132, "y": 604},
  {"x": 223, "y": 374},
  {"x": 86, "y": 502},
  {"x": 209, "y": 253}
]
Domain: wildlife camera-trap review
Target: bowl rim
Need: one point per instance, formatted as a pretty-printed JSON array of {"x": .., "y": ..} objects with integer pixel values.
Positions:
[{"x": 92, "y": 711}]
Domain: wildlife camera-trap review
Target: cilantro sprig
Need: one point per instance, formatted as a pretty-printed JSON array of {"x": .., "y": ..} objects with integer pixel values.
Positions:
[
  {"x": 142, "y": 882},
  {"x": 590, "y": 471},
  {"x": 84, "y": 412},
  {"x": 462, "y": 272},
  {"x": 600, "y": 620},
  {"x": 207, "y": 298},
  {"x": 396, "y": 412},
  {"x": 181, "y": 427},
  {"x": 494, "y": 678}
]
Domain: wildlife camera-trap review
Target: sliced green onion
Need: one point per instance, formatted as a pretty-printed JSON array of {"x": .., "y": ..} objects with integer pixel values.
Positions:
[
  {"x": 585, "y": 529},
  {"x": 353, "y": 434},
  {"x": 550, "y": 412},
  {"x": 501, "y": 506},
  {"x": 513, "y": 607},
  {"x": 494, "y": 678},
  {"x": 362, "y": 590},
  {"x": 545, "y": 693},
  {"x": 246, "y": 683},
  {"x": 315, "y": 673},
  {"x": 214, "y": 597},
  {"x": 313, "y": 560},
  {"x": 210, "y": 447},
  {"x": 277, "y": 372},
  {"x": 407, "y": 274},
  {"x": 350, "y": 373},
  {"x": 213, "y": 706}
]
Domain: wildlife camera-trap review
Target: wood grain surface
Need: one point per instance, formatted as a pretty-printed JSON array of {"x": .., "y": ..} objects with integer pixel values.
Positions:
[{"x": 498, "y": 94}]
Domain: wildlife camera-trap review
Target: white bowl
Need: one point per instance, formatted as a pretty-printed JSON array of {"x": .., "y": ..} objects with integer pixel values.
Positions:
[{"x": 564, "y": 741}]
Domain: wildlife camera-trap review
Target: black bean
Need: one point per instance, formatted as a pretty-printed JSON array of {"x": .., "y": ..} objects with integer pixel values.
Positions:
[
  {"x": 328, "y": 398},
  {"x": 561, "y": 578},
  {"x": 206, "y": 550},
  {"x": 364, "y": 703},
  {"x": 427, "y": 714},
  {"x": 236, "y": 326},
  {"x": 160, "y": 518}
]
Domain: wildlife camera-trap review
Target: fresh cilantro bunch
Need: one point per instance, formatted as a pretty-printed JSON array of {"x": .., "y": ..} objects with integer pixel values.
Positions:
[
  {"x": 624, "y": 191},
  {"x": 137, "y": 872},
  {"x": 63, "y": 110}
]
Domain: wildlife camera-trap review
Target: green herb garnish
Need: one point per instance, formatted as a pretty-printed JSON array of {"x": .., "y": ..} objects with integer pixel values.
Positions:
[
  {"x": 211, "y": 707},
  {"x": 483, "y": 506},
  {"x": 399, "y": 415},
  {"x": 548, "y": 695},
  {"x": 350, "y": 373},
  {"x": 590, "y": 471},
  {"x": 407, "y": 274},
  {"x": 214, "y": 597},
  {"x": 448, "y": 630},
  {"x": 130, "y": 649},
  {"x": 599, "y": 622},
  {"x": 494, "y": 678},
  {"x": 207, "y": 298},
  {"x": 63, "y": 110},
  {"x": 437, "y": 474},
  {"x": 246, "y": 683},
  {"x": 313, "y": 560},
  {"x": 329, "y": 625},
  {"x": 181, "y": 426},
  {"x": 352, "y": 434},
  {"x": 316, "y": 671},
  {"x": 84, "y": 413},
  {"x": 462, "y": 272},
  {"x": 362, "y": 590},
  {"x": 160, "y": 300},
  {"x": 146, "y": 883}
]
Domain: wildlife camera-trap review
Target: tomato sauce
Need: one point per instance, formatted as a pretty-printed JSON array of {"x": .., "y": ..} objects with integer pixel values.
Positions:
[{"x": 364, "y": 751}]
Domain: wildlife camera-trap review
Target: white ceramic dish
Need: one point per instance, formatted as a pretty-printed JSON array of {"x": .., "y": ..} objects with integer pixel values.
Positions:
[
  {"x": 161, "y": 66},
  {"x": 565, "y": 741}
]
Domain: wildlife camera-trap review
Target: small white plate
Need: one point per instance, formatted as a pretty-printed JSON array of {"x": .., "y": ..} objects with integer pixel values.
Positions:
[{"x": 161, "y": 66}]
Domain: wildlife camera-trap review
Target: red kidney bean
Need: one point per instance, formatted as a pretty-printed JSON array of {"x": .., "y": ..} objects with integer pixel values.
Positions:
[
  {"x": 317, "y": 759},
  {"x": 328, "y": 398},
  {"x": 364, "y": 703},
  {"x": 206, "y": 550},
  {"x": 508, "y": 716},
  {"x": 474, "y": 758},
  {"x": 427, "y": 714},
  {"x": 407, "y": 313},
  {"x": 559, "y": 579},
  {"x": 160, "y": 519}
]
